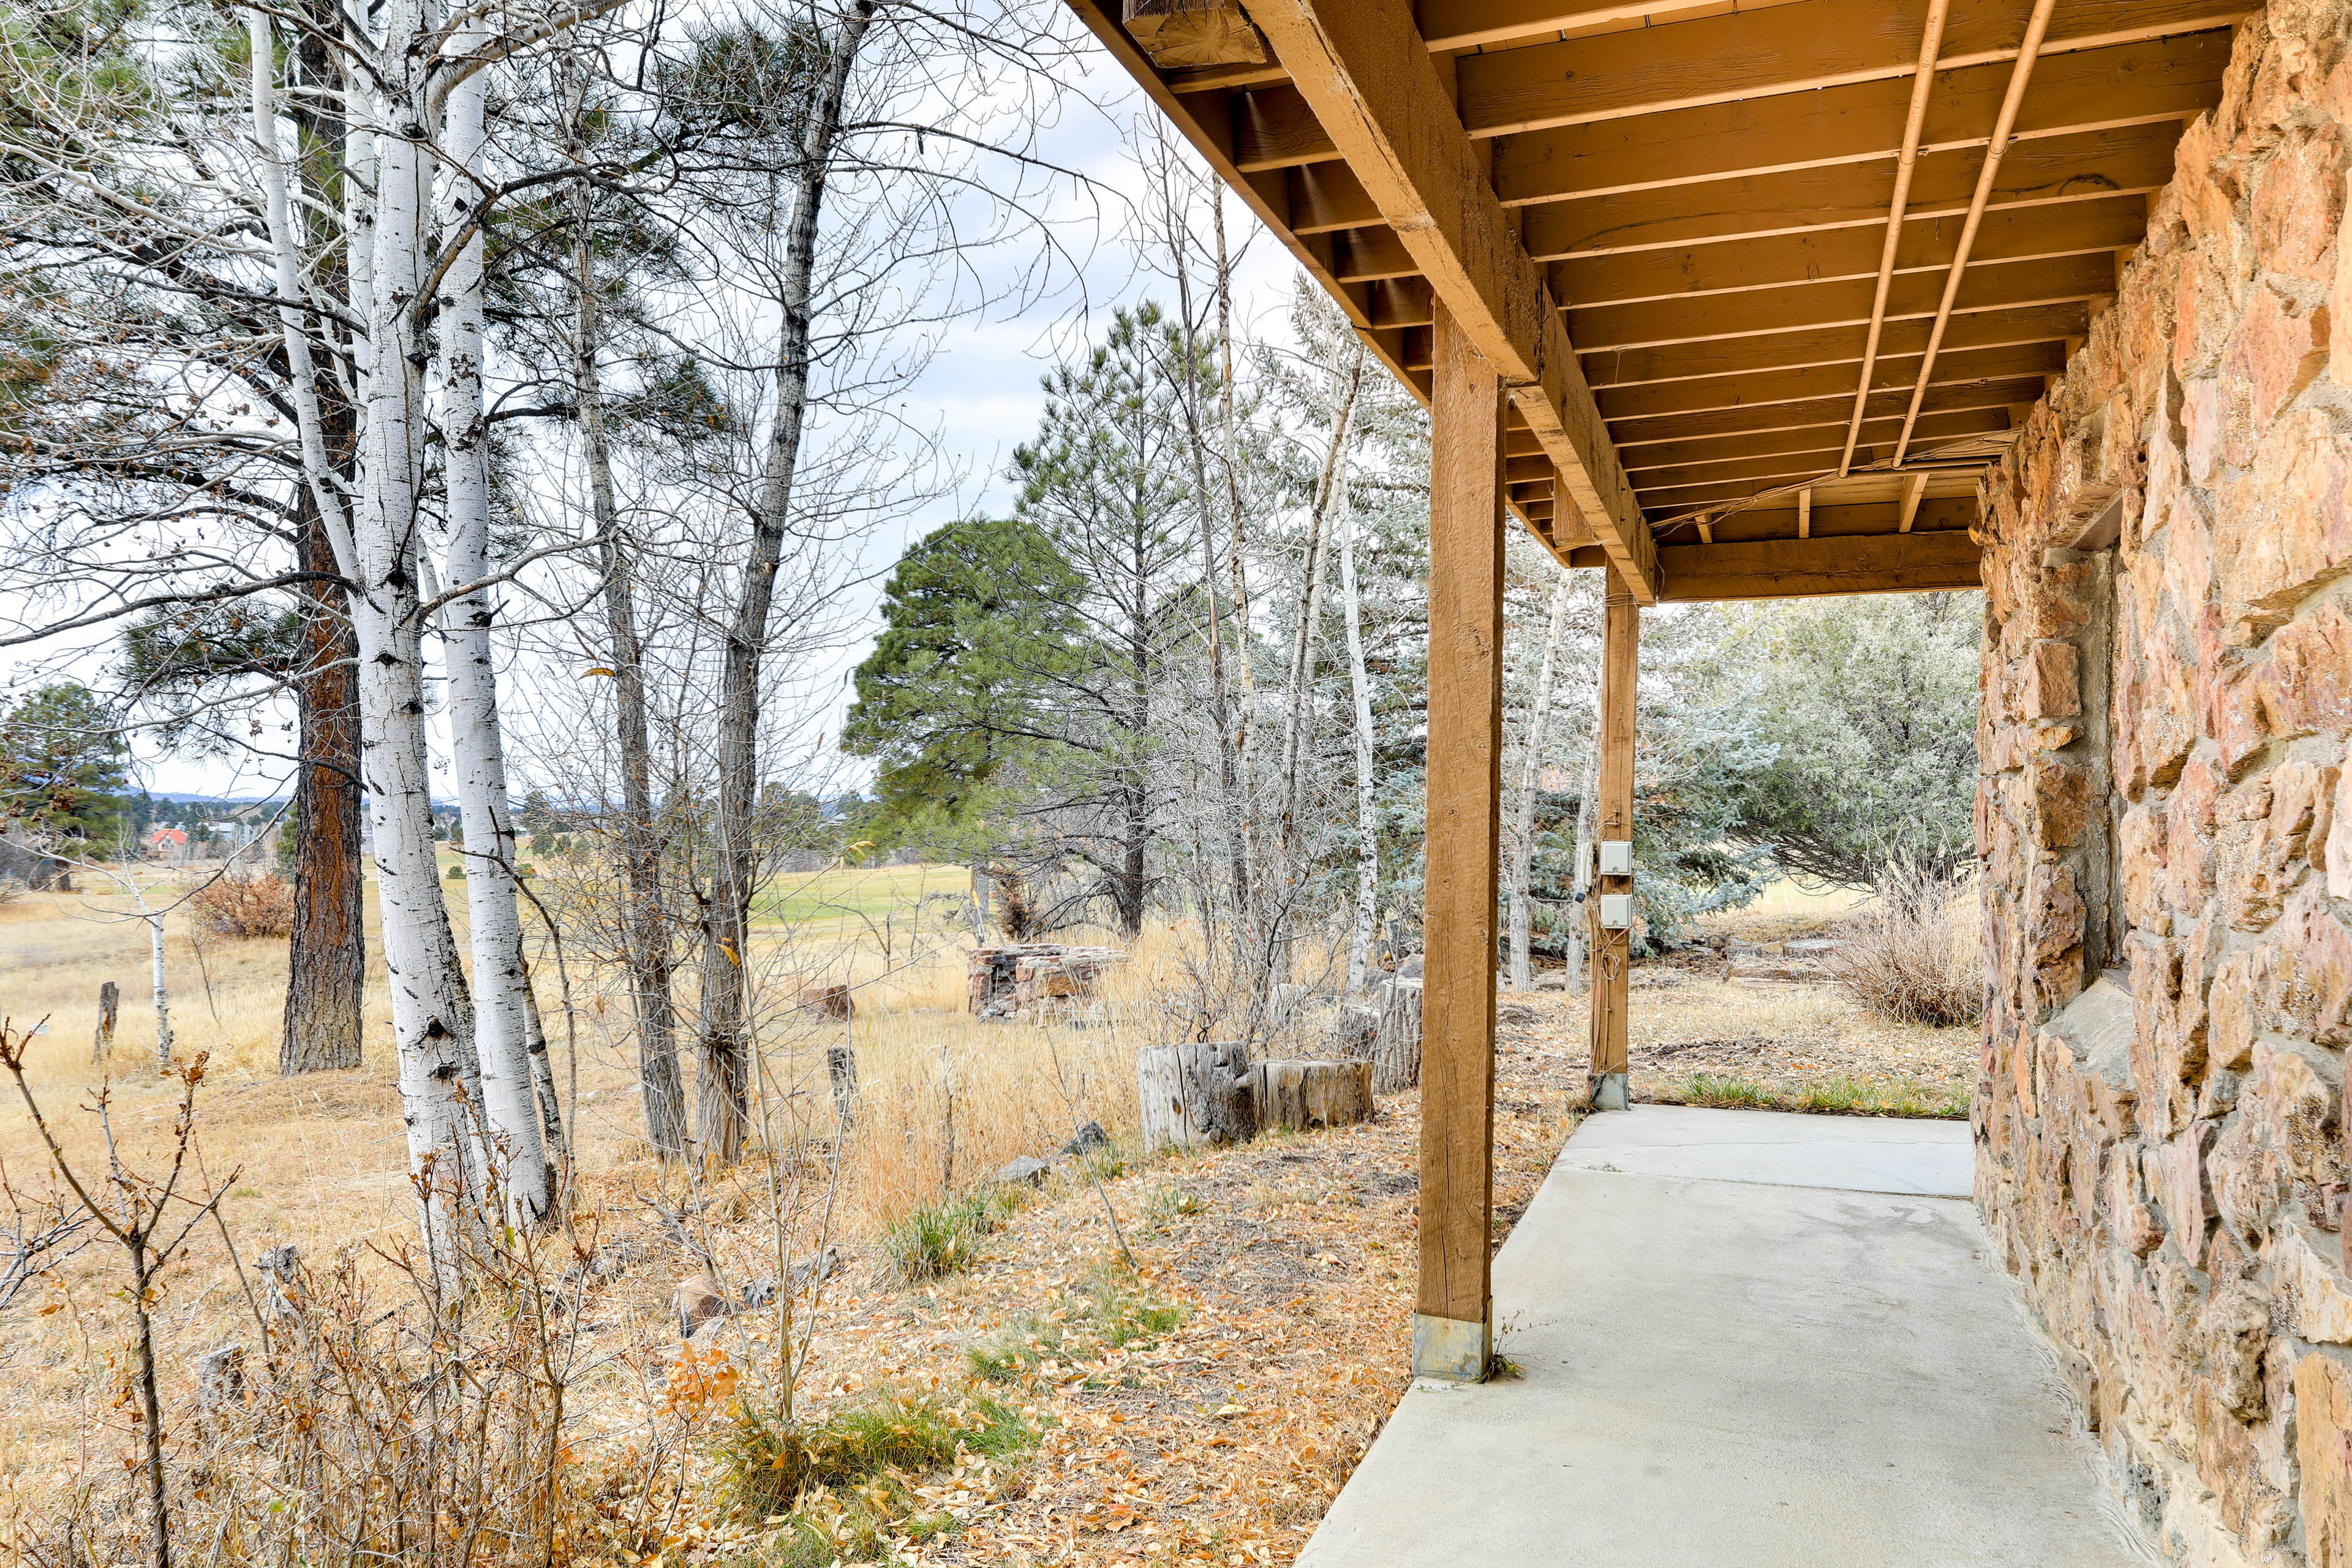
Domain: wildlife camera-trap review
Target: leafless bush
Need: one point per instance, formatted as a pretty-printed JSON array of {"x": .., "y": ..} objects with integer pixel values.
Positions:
[
  {"x": 253, "y": 906},
  {"x": 1913, "y": 953}
]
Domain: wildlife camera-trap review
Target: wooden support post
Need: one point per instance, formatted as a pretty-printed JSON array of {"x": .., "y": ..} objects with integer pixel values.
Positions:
[
  {"x": 1620, "y": 644},
  {"x": 1453, "y": 1327}
]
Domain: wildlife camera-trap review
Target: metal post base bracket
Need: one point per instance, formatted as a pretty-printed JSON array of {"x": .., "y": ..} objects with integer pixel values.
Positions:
[
  {"x": 1609, "y": 1091},
  {"x": 1451, "y": 1349}
]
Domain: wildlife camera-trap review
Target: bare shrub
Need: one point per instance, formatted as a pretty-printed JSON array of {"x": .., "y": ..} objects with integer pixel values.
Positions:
[
  {"x": 258, "y": 906},
  {"x": 1912, "y": 954}
]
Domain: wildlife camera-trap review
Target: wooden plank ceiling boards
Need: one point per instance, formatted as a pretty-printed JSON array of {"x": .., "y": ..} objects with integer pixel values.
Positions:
[{"x": 1727, "y": 255}]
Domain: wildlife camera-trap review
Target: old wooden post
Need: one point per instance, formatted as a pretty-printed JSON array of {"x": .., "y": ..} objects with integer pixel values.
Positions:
[
  {"x": 1453, "y": 1325},
  {"x": 1610, "y": 902},
  {"x": 109, "y": 1000}
]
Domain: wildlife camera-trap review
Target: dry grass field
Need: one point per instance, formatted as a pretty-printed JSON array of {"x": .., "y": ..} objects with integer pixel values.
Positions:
[{"x": 1189, "y": 1383}]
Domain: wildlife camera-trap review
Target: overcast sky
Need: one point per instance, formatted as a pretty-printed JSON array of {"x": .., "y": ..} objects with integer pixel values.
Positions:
[{"x": 980, "y": 390}]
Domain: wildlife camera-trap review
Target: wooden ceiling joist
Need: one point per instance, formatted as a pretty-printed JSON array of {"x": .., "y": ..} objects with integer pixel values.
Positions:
[
  {"x": 2163, "y": 80},
  {"x": 1780, "y": 569},
  {"x": 1794, "y": 307},
  {"x": 2093, "y": 166},
  {"x": 1795, "y": 266},
  {"x": 1926, "y": 244},
  {"x": 1373, "y": 87},
  {"x": 1829, "y": 345}
]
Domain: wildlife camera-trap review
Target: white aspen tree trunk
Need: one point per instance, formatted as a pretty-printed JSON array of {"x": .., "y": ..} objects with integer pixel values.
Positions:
[
  {"x": 1360, "y": 686},
  {"x": 1523, "y": 826},
  {"x": 519, "y": 1170},
  {"x": 302, "y": 385},
  {"x": 1229, "y": 758},
  {"x": 1297, "y": 727},
  {"x": 431, "y": 1022},
  {"x": 162, "y": 994}
]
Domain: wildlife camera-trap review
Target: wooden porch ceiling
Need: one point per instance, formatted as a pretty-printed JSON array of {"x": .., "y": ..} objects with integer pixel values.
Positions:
[{"x": 1771, "y": 281}]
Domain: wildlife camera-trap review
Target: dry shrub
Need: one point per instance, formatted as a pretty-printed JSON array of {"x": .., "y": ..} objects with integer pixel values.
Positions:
[
  {"x": 1912, "y": 954},
  {"x": 237, "y": 906}
]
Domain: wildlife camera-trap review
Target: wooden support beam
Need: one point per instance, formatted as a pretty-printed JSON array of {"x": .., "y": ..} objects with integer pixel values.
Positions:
[
  {"x": 2008, "y": 285},
  {"x": 1612, "y": 950},
  {"x": 1895, "y": 373},
  {"x": 1786, "y": 569},
  {"x": 1453, "y": 1335},
  {"x": 1367, "y": 76},
  {"x": 2044, "y": 173},
  {"x": 2096, "y": 91},
  {"x": 1826, "y": 435},
  {"x": 1779, "y": 50},
  {"x": 1928, "y": 245},
  {"x": 1613, "y": 368},
  {"x": 1913, "y": 488},
  {"x": 1804, "y": 514},
  {"x": 2022, "y": 392}
]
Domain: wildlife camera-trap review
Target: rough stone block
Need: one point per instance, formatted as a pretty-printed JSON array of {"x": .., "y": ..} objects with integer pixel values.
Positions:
[
  {"x": 2298, "y": 201},
  {"x": 2230, "y": 1020},
  {"x": 2275, "y": 352},
  {"x": 2336, "y": 855},
  {"x": 2140, "y": 844},
  {"x": 2323, "y": 1451},
  {"x": 2050, "y": 688},
  {"x": 2293, "y": 532},
  {"x": 2180, "y": 1188},
  {"x": 2304, "y": 686},
  {"x": 2062, "y": 803}
]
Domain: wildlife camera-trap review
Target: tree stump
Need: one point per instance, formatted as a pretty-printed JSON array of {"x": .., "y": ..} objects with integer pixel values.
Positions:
[
  {"x": 1355, "y": 1030},
  {"x": 841, "y": 1070},
  {"x": 110, "y": 1001},
  {"x": 1194, "y": 1093},
  {"x": 1396, "y": 1043},
  {"x": 1301, "y": 1095}
]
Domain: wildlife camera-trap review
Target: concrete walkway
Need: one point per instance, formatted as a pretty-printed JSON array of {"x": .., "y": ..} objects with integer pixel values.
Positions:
[{"x": 1745, "y": 1340}]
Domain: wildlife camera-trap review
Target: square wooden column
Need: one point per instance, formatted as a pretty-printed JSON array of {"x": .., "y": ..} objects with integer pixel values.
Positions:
[
  {"x": 1453, "y": 1325},
  {"x": 1620, "y": 658}
]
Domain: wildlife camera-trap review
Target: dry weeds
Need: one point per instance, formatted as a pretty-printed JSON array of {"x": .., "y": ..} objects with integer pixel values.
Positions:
[{"x": 1203, "y": 1406}]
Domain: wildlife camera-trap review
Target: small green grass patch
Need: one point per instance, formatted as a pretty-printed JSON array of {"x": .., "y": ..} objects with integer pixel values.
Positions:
[
  {"x": 943, "y": 1238},
  {"x": 842, "y": 1490},
  {"x": 1826, "y": 1097},
  {"x": 1104, "y": 1313}
]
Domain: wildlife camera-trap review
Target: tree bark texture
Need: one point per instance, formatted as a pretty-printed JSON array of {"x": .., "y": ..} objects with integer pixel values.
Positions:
[
  {"x": 519, "y": 1167},
  {"x": 1523, "y": 823},
  {"x": 326, "y": 970},
  {"x": 646, "y": 922},
  {"x": 327, "y": 955},
  {"x": 1194, "y": 1093},
  {"x": 1362, "y": 929},
  {"x": 1396, "y": 1043},
  {"x": 432, "y": 1016},
  {"x": 721, "y": 1107},
  {"x": 1305, "y": 1095}
]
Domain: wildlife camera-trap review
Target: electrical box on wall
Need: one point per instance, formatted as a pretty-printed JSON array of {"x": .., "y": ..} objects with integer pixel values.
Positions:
[
  {"x": 1616, "y": 856},
  {"x": 1616, "y": 911}
]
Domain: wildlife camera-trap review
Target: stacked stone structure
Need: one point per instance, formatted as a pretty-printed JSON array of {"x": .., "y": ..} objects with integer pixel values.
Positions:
[{"x": 2166, "y": 823}]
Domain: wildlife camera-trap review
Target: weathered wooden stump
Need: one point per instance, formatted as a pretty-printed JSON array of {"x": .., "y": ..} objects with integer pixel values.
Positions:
[
  {"x": 841, "y": 1070},
  {"x": 1195, "y": 1093},
  {"x": 1396, "y": 1043},
  {"x": 110, "y": 1001},
  {"x": 1354, "y": 1030},
  {"x": 1301, "y": 1095}
]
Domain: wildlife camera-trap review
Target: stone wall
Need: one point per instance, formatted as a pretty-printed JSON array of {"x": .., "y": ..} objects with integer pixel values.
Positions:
[{"x": 2166, "y": 823}]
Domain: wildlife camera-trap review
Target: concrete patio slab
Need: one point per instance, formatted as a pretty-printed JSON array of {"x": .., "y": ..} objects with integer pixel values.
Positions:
[
  {"x": 1743, "y": 1340},
  {"x": 1863, "y": 1153}
]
